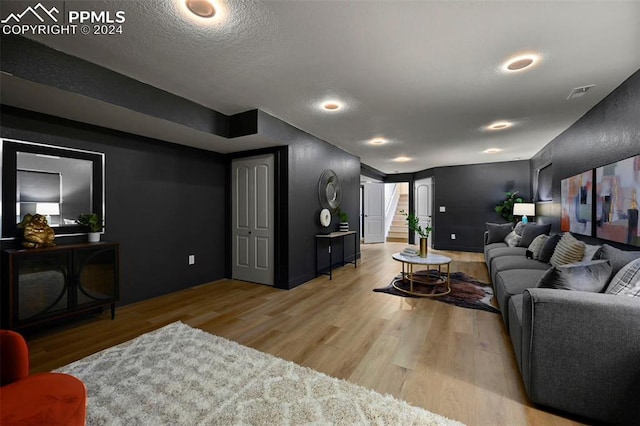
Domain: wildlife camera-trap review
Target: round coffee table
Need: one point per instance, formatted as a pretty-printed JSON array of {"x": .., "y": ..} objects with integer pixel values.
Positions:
[{"x": 438, "y": 285}]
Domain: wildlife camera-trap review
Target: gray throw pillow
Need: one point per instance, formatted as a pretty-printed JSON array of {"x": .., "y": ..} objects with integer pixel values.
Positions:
[
  {"x": 519, "y": 228},
  {"x": 627, "y": 280},
  {"x": 548, "y": 248},
  {"x": 590, "y": 276},
  {"x": 531, "y": 231},
  {"x": 618, "y": 258},
  {"x": 498, "y": 231}
]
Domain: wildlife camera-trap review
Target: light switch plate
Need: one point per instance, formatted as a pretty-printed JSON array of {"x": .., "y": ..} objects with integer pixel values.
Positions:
[{"x": 443, "y": 209}]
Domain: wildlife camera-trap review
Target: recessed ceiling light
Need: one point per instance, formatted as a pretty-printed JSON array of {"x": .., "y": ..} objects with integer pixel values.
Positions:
[
  {"x": 499, "y": 125},
  {"x": 402, "y": 159},
  {"x": 521, "y": 62},
  {"x": 201, "y": 8},
  {"x": 492, "y": 150},
  {"x": 378, "y": 141},
  {"x": 331, "y": 105}
]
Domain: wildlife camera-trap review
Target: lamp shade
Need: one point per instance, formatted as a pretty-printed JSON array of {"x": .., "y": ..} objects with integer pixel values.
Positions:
[
  {"x": 524, "y": 209},
  {"x": 48, "y": 208}
]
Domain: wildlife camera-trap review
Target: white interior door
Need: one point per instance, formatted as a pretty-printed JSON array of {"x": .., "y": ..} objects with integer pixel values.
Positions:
[
  {"x": 252, "y": 219},
  {"x": 423, "y": 203},
  {"x": 373, "y": 213}
]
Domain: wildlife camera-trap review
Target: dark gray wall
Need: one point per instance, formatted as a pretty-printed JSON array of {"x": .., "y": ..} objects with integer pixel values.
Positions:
[
  {"x": 308, "y": 158},
  {"x": 470, "y": 194},
  {"x": 609, "y": 132},
  {"x": 163, "y": 202}
]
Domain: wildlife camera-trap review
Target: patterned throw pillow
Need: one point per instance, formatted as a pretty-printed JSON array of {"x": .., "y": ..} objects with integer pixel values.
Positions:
[
  {"x": 627, "y": 281},
  {"x": 568, "y": 250},
  {"x": 536, "y": 245},
  {"x": 512, "y": 239},
  {"x": 583, "y": 276},
  {"x": 519, "y": 228}
]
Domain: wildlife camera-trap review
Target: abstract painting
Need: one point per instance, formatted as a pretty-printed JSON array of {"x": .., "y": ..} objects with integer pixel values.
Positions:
[
  {"x": 577, "y": 203},
  {"x": 617, "y": 190}
]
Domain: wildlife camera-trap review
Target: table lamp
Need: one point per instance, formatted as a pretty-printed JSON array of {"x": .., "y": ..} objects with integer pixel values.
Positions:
[
  {"x": 524, "y": 209},
  {"x": 48, "y": 209}
]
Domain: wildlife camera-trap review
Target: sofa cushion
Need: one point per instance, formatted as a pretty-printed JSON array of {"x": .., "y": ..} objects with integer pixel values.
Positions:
[
  {"x": 568, "y": 250},
  {"x": 515, "y": 326},
  {"x": 548, "y": 248},
  {"x": 591, "y": 252},
  {"x": 505, "y": 263},
  {"x": 536, "y": 246},
  {"x": 590, "y": 276},
  {"x": 531, "y": 231},
  {"x": 489, "y": 247},
  {"x": 513, "y": 282},
  {"x": 627, "y": 281},
  {"x": 512, "y": 239},
  {"x": 618, "y": 258},
  {"x": 497, "y": 232}
]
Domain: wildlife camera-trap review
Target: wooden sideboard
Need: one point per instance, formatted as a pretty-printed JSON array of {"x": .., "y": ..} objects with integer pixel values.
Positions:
[{"x": 40, "y": 286}]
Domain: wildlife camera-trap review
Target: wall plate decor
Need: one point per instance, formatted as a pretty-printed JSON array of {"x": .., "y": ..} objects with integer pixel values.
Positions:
[
  {"x": 577, "y": 204},
  {"x": 325, "y": 217},
  {"x": 329, "y": 190},
  {"x": 617, "y": 191}
]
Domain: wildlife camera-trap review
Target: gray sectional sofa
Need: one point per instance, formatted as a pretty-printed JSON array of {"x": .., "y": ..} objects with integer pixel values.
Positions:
[{"x": 578, "y": 352}]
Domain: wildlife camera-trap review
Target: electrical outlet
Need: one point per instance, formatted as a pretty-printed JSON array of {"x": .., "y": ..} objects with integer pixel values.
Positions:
[
  {"x": 192, "y": 259},
  {"x": 443, "y": 209},
  {"x": 453, "y": 236}
]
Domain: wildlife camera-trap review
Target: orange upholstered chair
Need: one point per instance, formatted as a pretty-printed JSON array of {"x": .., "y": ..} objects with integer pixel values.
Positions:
[{"x": 41, "y": 399}]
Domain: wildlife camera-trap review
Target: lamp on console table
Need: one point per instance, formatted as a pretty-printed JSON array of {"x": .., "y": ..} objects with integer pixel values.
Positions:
[{"x": 524, "y": 209}]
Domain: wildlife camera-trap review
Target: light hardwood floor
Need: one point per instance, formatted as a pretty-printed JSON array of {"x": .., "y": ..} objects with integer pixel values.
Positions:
[{"x": 452, "y": 361}]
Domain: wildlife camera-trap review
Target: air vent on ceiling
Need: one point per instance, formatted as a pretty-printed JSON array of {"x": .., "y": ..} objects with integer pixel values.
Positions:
[{"x": 579, "y": 91}]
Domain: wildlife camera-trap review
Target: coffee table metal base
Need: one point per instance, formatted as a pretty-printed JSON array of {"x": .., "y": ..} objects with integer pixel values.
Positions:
[{"x": 439, "y": 284}]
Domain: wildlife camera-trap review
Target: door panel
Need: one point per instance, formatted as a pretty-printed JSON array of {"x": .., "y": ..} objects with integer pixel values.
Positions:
[
  {"x": 423, "y": 203},
  {"x": 253, "y": 224},
  {"x": 373, "y": 213}
]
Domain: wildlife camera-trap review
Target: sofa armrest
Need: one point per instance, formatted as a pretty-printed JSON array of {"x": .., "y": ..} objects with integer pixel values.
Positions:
[
  {"x": 486, "y": 237},
  {"x": 581, "y": 353}
]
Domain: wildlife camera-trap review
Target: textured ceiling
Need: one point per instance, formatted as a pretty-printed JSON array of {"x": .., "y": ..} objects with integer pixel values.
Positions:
[{"x": 424, "y": 75}]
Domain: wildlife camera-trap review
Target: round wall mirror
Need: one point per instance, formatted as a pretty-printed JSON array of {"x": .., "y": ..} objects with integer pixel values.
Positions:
[{"x": 329, "y": 190}]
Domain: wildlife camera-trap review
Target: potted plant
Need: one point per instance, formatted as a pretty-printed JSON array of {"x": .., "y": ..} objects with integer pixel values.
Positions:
[
  {"x": 414, "y": 225},
  {"x": 505, "y": 208},
  {"x": 94, "y": 223},
  {"x": 344, "y": 221}
]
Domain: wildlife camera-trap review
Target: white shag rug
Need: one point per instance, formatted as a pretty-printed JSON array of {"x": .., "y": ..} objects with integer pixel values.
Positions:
[{"x": 178, "y": 375}]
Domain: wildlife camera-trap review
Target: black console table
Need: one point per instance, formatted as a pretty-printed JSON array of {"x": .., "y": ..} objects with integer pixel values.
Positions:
[
  {"x": 46, "y": 284},
  {"x": 331, "y": 237}
]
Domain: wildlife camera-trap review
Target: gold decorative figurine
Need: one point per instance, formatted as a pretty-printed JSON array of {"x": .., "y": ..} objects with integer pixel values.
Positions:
[{"x": 37, "y": 232}]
